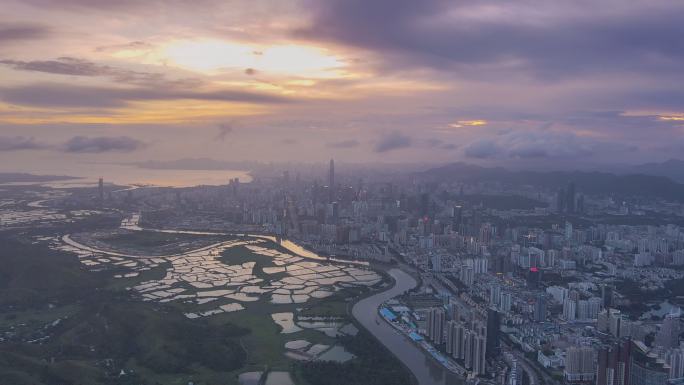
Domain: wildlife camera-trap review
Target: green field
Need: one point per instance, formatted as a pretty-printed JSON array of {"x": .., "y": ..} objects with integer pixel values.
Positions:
[
  {"x": 147, "y": 242},
  {"x": 63, "y": 324}
]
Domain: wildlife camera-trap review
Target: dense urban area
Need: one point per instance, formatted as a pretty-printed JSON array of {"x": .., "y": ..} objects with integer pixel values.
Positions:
[{"x": 326, "y": 275}]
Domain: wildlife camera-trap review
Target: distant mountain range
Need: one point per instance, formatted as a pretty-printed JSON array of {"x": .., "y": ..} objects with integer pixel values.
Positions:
[
  {"x": 585, "y": 181},
  {"x": 673, "y": 169}
]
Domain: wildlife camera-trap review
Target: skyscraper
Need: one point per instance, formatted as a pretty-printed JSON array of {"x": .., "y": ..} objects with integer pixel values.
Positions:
[
  {"x": 505, "y": 302},
  {"x": 479, "y": 351},
  {"x": 540, "y": 309},
  {"x": 607, "y": 295},
  {"x": 533, "y": 277},
  {"x": 331, "y": 175},
  {"x": 646, "y": 368},
  {"x": 579, "y": 364},
  {"x": 615, "y": 322},
  {"x": 469, "y": 337},
  {"x": 668, "y": 335},
  {"x": 675, "y": 359},
  {"x": 100, "y": 191},
  {"x": 560, "y": 201},
  {"x": 569, "y": 309},
  {"x": 457, "y": 218},
  {"x": 451, "y": 336},
  {"x": 492, "y": 333},
  {"x": 570, "y": 198},
  {"x": 458, "y": 348},
  {"x": 494, "y": 294},
  {"x": 435, "y": 325}
]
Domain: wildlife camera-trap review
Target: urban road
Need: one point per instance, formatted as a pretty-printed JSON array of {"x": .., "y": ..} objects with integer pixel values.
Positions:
[{"x": 426, "y": 370}]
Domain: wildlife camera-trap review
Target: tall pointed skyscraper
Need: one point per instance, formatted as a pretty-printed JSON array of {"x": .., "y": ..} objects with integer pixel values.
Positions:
[
  {"x": 332, "y": 173},
  {"x": 100, "y": 191},
  {"x": 331, "y": 184}
]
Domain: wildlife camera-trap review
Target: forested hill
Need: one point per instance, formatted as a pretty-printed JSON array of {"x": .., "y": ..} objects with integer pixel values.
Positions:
[{"x": 586, "y": 182}]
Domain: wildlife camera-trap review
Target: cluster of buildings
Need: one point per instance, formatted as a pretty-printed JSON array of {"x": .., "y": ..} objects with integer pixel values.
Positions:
[
  {"x": 469, "y": 337},
  {"x": 574, "y": 282}
]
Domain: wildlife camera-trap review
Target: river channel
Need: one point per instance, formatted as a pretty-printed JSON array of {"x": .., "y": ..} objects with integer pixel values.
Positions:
[{"x": 423, "y": 367}]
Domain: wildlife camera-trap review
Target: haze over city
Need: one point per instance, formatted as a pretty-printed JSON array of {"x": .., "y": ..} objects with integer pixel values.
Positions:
[{"x": 341, "y": 192}]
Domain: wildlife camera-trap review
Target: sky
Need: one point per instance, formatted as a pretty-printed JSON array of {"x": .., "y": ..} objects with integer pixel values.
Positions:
[{"x": 534, "y": 83}]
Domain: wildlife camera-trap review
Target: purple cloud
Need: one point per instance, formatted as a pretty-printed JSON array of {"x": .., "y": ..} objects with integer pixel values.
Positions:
[
  {"x": 344, "y": 144},
  {"x": 11, "y": 32},
  {"x": 17, "y": 143},
  {"x": 439, "y": 144},
  {"x": 483, "y": 149},
  {"x": 528, "y": 145},
  {"x": 550, "y": 39},
  {"x": 100, "y": 144},
  {"x": 79, "y": 67},
  {"x": 393, "y": 141},
  {"x": 65, "y": 95},
  {"x": 130, "y": 45}
]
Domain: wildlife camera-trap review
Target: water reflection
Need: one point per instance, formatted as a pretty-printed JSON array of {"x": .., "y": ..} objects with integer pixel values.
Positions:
[
  {"x": 250, "y": 378},
  {"x": 425, "y": 369},
  {"x": 279, "y": 378},
  {"x": 286, "y": 322}
]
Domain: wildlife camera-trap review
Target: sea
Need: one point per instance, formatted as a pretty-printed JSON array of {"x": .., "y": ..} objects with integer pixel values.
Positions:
[{"x": 88, "y": 174}]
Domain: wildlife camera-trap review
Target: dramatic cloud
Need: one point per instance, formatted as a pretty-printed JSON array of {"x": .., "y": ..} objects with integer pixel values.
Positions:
[
  {"x": 392, "y": 141},
  {"x": 524, "y": 82},
  {"x": 94, "y": 4},
  {"x": 127, "y": 6},
  {"x": 529, "y": 152},
  {"x": 534, "y": 144},
  {"x": 434, "y": 142},
  {"x": 62, "y": 66},
  {"x": 344, "y": 144},
  {"x": 11, "y": 32},
  {"x": 483, "y": 149},
  {"x": 64, "y": 95},
  {"x": 84, "y": 144},
  {"x": 16, "y": 143},
  {"x": 133, "y": 45},
  {"x": 79, "y": 67},
  {"x": 547, "y": 38},
  {"x": 439, "y": 144}
]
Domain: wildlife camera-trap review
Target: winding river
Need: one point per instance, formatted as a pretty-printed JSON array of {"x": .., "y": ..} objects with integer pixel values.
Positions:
[{"x": 423, "y": 367}]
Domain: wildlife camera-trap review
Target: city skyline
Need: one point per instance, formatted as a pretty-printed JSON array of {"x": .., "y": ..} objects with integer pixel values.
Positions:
[{"x": 341, "y": 192}]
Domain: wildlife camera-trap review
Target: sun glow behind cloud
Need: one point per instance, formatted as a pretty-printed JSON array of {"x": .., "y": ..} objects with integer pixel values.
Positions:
[
  {"x": 468, "y": 123},
  {"x": 213, "y": 55},
  {"x": 672, "y": 117},
  {"x": 159, "y": 111}
]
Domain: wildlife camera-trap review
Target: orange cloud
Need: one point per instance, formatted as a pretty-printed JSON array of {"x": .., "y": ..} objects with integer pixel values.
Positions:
[
  {"x": 672, "y": 117},
  {"x": 468, "y": 123}
]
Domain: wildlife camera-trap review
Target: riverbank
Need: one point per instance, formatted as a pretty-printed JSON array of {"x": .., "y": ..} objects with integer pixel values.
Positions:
[{"x": 424, "y": 368}]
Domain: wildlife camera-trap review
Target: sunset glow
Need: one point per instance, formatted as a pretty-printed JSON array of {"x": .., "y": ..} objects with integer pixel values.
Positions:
[
  {"x": 210, "y": 56},
  {"x": 341, "y": 192},
  {"x": 335, "y": 72}
]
